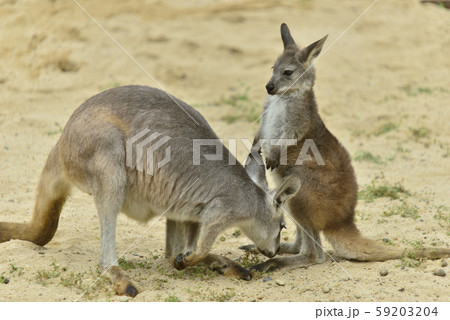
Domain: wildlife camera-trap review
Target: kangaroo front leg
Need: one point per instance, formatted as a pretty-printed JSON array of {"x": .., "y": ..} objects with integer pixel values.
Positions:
[{"x": 218, "y": 263}]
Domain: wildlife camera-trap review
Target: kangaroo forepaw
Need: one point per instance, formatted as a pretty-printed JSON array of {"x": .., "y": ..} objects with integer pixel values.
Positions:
[
  {"x": 228, "y": 267},
  {"x": 273, "y": 159},
  {"x": 178, "y": 262},
  {"x": 249, "y": 248}
]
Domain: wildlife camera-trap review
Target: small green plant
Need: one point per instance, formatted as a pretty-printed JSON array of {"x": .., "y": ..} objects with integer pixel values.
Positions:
[
  {"x": 126, "y": 265},
  {"x": 419, "y": 133},
  {"x": 54, "y": 132},
  {"x": 243, "y": 107},
  {"x": 14, "y": 269},
  {"x": 249, "y": 259},
  {"x": 385, "y": 128},
  {"x": 404, "y": 211},
  {"x": 43, "y": 276},
  {"x": 172, "y": 298},
  {"x": 376, "y": 190},
  {"x": 236, "y": 233},
  {"x": 3, "y": 279},
  {"x": 224, "y": 296},
  {"x": 362, "y": 155}
]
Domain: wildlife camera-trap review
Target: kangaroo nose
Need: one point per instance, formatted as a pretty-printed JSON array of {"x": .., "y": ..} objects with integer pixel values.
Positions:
[{"x": 270, "y": 87}]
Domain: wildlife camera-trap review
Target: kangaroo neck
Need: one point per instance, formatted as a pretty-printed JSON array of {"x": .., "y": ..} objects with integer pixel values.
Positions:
[{"x": 302, "y": 114}]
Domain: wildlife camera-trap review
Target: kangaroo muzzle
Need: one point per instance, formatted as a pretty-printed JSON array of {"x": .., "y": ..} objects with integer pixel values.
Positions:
[{"x": 270, "y": 87}]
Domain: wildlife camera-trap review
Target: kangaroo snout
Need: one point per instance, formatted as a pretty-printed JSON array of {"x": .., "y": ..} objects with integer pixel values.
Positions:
[
  {"x": 268, "y": 253},
  {"x": 270, "y": 87}
]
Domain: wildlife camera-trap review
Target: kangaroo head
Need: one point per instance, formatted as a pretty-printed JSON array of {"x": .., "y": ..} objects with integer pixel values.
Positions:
[
  {"x": 293, "y": 70},
  {"x": 265, "y": 229}
]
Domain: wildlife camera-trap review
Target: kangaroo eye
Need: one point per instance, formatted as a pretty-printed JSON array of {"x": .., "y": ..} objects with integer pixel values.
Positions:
[{"x": 288, "y": 72}]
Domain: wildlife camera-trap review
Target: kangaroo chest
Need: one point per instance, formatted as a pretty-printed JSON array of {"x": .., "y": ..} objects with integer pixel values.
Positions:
[{"x": 274, "y": 121}]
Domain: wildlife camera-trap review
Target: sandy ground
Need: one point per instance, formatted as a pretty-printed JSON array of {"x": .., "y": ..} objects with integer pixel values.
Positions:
[{"x": 388, "y": 72}]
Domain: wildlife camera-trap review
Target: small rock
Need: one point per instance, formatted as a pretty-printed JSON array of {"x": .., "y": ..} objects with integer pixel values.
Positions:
[
  {"x": 267, "y": 279},
  {"x": 326, "y": 289},
  {"x": 6, "y": 148},
  {"x": 280, "y": 282},
  {"x": 444, "y": 263},
  {"x": 357, "y": 296},
  {"x": 401, "y": 289},
  {"x": 439, "y": 273},
  {"x": 124, "y": 299},
  {"x": 384, "y": 272},
  {"x": 386, "y": 240},
  {"x": 5, "y": 280}
]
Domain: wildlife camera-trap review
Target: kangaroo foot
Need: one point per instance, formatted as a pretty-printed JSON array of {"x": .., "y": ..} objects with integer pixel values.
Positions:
[
  {"x": 227, "y": 267},
  {"x": 297, "y": 261},
  {"x": 217, "y": 263},
  {"x": 122, "y": 284}
]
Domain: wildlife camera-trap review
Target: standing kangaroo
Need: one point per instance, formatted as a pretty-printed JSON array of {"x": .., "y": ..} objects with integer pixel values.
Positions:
[
  {"x": 199, "y": 201},
  {"x": 327, "y": 199}
]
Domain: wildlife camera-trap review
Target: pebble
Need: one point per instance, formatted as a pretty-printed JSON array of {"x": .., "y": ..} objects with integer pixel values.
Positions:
[
  {"x": 326, "y": 289},
  {"x": 280, "y": 282},
  {"x": 439, "y": 273},
  {"x": 444, "y": 263},
  {"x": 357, "y": 296},
  {"x": 5, "y": 280},
  {"x": 384, "y": 272},
  {"x": 124, "y": 299},
  {"x": 401, "y": 289},
  {"x": 266, "y": 279}
]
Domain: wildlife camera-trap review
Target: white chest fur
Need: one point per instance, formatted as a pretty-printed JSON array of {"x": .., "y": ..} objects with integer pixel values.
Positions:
[{"x": 273, "y": 121}]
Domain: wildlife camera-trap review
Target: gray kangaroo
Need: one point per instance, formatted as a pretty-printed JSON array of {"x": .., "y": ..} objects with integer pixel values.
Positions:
[
  {"x": 199, "y": 201},
  {"x": 327, "y": 199}
]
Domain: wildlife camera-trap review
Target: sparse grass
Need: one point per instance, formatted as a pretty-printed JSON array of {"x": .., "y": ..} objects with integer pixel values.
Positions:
[
  {"x": 249, "y": 259},
  {"x": 43, "y": 275},
  {"x": 385, "y": 128},
  {"x": 236, "y": 233},
  {"x": 442, "y": 213},
  {"x": 224, "y": 296},
  {"x": 128, "y": 264},
  {"x": 73, "y": 280},
  {"x": 361, "y": 216},
  {"x": 415, "y": 91},
  {"x": 404, "y": 210},
  {"x": 244, "y": 108},
  {"x": 3, "y": 279},
  {"x": 54, "y": 132},
  {"x": 362, "y": 155},
  {"x": 374, "y": 190},
  {"x": 172, "y": 298},
  {"x": 200, "y": 272},
  {"x": 15, "y": 269},
  {"x": 419, "y": 133}
]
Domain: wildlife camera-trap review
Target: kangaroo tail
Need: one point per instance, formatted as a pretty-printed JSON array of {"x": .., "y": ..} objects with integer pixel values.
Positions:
[
  {"x": 52, "y": 192},
  {"x": 349, "y": 244}
]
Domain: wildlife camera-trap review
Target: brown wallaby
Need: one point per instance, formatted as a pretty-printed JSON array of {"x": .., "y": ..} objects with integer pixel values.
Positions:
[
  {"x": 327, "y": 199},
  {"x": 199, "y": 200}
]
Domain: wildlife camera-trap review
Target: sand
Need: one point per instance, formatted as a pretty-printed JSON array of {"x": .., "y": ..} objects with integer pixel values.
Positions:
[{"x": 389, "y": 71}]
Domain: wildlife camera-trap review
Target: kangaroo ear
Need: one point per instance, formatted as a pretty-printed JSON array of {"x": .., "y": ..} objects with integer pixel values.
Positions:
[
  {"x": 288, "y": 188},
  {"x": 288, "y": 41},
  {"x": 311, "y": 52},
  {"x": 254, "y": 165}
]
